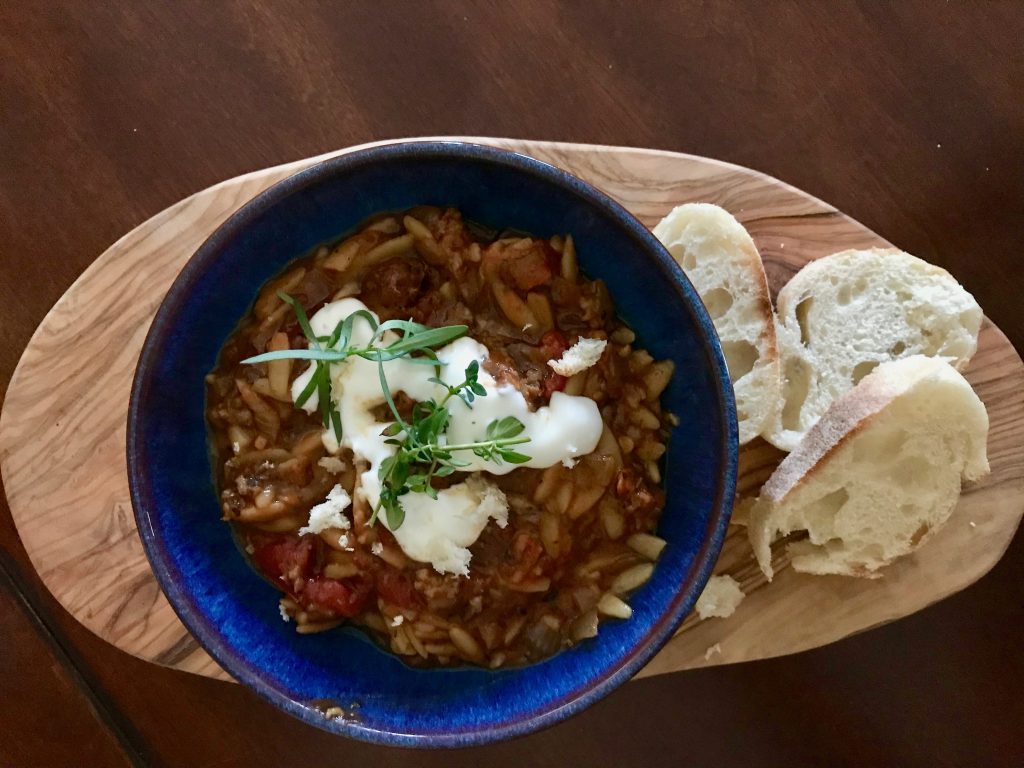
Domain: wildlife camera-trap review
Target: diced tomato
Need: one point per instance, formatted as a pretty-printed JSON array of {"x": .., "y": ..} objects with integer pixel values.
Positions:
[
  {"x": 340, "y": 598},
  {"x": 553, "y": 382},
  {"x": 531, "y": 269},
  {"x": 553, "y": 345},
  {"x": 396, "y": 587},
  {"x": 285, "y": 558}
]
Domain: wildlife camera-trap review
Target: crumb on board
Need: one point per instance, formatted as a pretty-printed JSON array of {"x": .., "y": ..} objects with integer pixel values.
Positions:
[
  {"x": 720, "y": 598},
  {"x": 713, "y": 650}
]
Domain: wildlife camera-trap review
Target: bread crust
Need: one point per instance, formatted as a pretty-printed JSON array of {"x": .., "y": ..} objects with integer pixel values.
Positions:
[
  {"x": 685, "y": 231},
  {"x": 896, "y": 326},
  {"x": 847, "y": 418}
]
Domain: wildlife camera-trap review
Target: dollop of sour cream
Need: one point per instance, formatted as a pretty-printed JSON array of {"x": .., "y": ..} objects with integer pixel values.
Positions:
[{"x": 440, "y": 531}]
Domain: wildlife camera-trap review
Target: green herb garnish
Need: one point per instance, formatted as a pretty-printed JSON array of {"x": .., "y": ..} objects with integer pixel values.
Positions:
[
  {"x": 324, "y": 350},
  {"x": 422, "y": 453}
]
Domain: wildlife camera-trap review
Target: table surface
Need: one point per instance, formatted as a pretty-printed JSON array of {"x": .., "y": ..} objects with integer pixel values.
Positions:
[{"x": 909, "y": 118}]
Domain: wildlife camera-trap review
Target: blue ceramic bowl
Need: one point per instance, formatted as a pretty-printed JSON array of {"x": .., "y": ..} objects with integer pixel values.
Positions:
[{"x": 233, "y": 612}]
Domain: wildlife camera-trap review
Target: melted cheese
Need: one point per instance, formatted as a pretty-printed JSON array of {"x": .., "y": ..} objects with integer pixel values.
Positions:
[{"x": 440, "y": 531}]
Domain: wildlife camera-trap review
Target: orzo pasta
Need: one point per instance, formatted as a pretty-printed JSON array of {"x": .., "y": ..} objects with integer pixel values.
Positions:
[{"x": 545, "y": 512}]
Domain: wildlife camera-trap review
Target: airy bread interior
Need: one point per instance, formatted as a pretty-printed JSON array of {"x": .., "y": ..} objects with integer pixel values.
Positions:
[
  {"x": 844, "y": 314},
  {"x": 722, "y": 262},
  {"x": 878, "y": 474}
]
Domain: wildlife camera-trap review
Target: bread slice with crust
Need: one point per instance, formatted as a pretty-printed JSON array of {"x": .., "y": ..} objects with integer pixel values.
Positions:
[
  {"x": 843, "y": 314},
  {"x": 878, "y": 474},
  {"x": 722, "y": 262}
]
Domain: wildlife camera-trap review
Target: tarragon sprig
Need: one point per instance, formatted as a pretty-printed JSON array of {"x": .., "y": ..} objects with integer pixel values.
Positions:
[
  {"x": 414, "y": 339},
  {"x": 422, "y": 452}
]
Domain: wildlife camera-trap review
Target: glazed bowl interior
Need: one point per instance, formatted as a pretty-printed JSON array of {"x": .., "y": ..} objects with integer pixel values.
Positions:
[{"x": 233, "y": 612}]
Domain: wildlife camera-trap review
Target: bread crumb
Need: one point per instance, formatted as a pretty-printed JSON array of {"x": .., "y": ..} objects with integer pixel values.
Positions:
[
  {"x": 973, "y": 524},
  {"x": 332, "y": 464},
  {"x": 720, "y": 598},
  {"x": 713, "y": 650},
  {"x": 332, "y": 712},
  {"x": 580, "y": 356},
  {"x": 327, "y": 514}
]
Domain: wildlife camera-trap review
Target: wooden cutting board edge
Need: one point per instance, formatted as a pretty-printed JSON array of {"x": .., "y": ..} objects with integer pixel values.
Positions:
[{"x": 684, "y": 650}]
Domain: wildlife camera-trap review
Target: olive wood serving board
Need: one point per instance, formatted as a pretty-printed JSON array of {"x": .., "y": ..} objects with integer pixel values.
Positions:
[{"x": 62, "y": 445}]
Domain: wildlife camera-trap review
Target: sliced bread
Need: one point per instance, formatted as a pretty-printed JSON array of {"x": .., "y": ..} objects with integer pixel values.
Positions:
[
  {"x": 842, "y": 315},
  {"x": 878, "y": 474},
  {"x": 722, "y": 262}
]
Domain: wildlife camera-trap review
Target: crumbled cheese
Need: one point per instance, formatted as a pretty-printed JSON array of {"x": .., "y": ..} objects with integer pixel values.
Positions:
[
  {"x": 580, "y": 356},
  {"x": 284, "y": 612},
  {"x": 377, "y": 548},
  {"x": 397, "y": 621},
  {"x": 250, "y": 549},
  {"x": 332, "y": 464},
  {"x": 720, "y": 597},
  {"x": 713, "y": 650},
  {"x": 343, "y": 541},
  {"x": 327, "y": 514}
]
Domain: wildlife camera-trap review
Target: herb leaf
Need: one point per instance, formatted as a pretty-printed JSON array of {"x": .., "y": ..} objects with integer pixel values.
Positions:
[{"x": 423, "y": 453}]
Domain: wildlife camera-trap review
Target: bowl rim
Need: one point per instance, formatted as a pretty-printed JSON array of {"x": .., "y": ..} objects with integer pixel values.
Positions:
[{"x": 631, "y": 660}]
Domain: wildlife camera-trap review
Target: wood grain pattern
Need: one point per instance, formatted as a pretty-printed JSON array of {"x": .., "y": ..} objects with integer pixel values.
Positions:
[{"x": 62, "y": 449}]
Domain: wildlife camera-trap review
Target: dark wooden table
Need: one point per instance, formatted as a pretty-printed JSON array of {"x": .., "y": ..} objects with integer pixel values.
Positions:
[{"x": 909, "y": 118}]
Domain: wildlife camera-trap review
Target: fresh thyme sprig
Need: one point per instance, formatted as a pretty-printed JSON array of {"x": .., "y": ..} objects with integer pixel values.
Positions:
[{"x": 422, "y": 452}]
